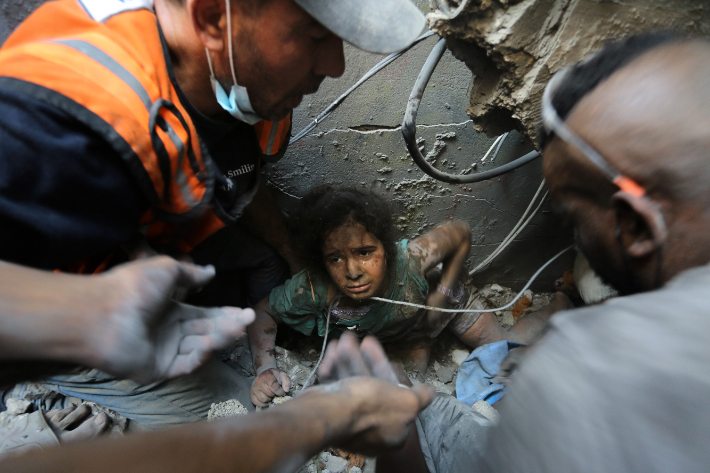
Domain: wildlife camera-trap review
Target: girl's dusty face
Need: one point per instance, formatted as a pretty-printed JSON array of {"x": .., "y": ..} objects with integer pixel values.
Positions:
[{"x": 355, "y": 260}]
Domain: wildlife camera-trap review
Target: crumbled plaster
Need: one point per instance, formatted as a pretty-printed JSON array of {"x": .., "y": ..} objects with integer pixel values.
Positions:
[{"x": 514, "y": 46}]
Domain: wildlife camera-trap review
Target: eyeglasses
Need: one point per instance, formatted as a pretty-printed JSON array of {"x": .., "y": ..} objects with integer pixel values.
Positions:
[{"x": 552, "y": 123}]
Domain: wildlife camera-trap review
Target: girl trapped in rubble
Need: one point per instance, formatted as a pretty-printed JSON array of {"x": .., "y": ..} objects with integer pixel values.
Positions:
[{"x": 347, "y": 238}]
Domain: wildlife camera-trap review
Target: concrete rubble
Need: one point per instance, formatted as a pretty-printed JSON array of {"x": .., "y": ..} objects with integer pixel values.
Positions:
[
  {"x": 514, "y": 46},
  {"x": 224, "y": 409}
]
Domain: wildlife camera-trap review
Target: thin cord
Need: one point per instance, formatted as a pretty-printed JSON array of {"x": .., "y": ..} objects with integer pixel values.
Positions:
[
  {"x": 231, "y": 49},
  {"x": 508, "y": 240},
  {"x": 325, "y": 340},
  {"x": 495, "y": 155},
  {"x": 377, "y": 67},
  {"x": 478, "y": 311},
  {"x": 515, "y": 231},
  {"x": 491, "y": 148}
]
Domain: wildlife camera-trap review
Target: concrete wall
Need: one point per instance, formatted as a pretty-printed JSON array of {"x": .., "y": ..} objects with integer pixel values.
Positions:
[
  {"x": 361, "y": 144},
  {"x": 12, "y": 12},
  {"x": 514, "y": 46}
]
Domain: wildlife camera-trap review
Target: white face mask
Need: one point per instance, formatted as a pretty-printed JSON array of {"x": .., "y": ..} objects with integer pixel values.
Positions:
[{"x": 237, "y": 102}]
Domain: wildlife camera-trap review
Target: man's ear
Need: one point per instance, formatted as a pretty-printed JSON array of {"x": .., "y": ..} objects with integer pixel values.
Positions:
[
  {"x": 641, "y": 223},
  {"x": 209, "y": 18}
]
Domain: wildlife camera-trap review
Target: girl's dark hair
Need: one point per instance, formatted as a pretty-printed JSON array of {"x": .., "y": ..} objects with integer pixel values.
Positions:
[{"x": 325, "y": 208}]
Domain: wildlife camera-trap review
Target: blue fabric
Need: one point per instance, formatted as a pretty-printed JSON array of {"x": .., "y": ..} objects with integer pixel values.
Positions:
[{"x": 475, "y": 373}]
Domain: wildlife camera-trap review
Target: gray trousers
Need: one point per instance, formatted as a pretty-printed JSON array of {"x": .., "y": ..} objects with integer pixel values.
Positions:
[
  {"x": 150, "y": 406},
  {"x": 452, "y": 435}
]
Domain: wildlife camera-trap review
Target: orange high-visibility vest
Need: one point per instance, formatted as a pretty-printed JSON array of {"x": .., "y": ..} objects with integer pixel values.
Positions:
[{"x": 102, "y": 62}]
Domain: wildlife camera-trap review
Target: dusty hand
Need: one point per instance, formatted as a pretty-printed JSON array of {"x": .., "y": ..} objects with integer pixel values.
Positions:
[
  {"x": 269, "y": 384},
  {"x": 510, "y": 364},
  {"x": 385, "y": 408},
  {"x": 346, "y": 357},
  {"x": 147, "y": 336}
]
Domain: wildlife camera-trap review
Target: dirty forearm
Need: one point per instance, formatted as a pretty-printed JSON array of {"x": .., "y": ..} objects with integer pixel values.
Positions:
[
  {"x": 262, "y": 338},
  {"x": 279, "y": 440},
  {"x": 459, "y": 243},
  {"x": 448, "y": 244},
  {"x": 48, "y": 316},
  {"x": 264, "y": 219}
]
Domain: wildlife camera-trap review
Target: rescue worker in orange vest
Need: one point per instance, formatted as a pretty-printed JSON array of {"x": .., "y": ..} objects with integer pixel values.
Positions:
[{"x": 147, "y": 120}]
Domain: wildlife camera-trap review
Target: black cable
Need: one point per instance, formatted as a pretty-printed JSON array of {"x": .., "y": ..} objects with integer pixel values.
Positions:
[{"x": 409, "y": 130}]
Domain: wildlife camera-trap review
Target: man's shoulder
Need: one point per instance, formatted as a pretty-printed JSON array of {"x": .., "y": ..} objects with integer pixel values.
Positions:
[
  {"x": 682, "y": 303},
  {"x": 658, "y": 339},
  {"x": 27, "y": 117},
  {"x": 633, "y": 368}
]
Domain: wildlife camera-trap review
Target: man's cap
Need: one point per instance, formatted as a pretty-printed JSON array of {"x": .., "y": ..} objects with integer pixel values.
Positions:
[{"x": 377, "y": 26}]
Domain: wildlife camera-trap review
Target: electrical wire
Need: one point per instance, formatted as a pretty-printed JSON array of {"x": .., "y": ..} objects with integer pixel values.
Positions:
[
  {"x": 511, "y": 237},
  {"x": 409, "y": 130},
  {"x": 479, "y": 311},
  {"x": 495, "y": 155},
  {"x": 376, "y": 68},
  {"x": 522, "y": 223},
  {"x": 491, "y": 148},
  {"x": 325, "y": 340},
  {"x": 444, "y": 8}
]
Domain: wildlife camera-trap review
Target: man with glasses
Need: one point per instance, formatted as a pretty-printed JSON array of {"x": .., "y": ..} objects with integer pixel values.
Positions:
[{"x": 621, "y": 386}]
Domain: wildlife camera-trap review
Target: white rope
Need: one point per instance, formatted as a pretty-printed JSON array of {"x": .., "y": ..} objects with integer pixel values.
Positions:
[
  {"x": 509, "y": 239},
  {"x": 522, "y": 223},
  {"x": 325, "y": 341},
  {"x": 479, "y": 311},
  {"x": 497, "y": 140}
]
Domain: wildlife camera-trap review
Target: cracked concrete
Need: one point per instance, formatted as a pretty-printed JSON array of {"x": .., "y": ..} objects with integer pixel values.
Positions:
[{"x": 514, "y": 46}]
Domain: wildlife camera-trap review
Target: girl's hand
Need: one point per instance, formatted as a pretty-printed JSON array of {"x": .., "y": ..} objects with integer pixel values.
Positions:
[
  {"x": 268, "y": 385},
  {"x": 435, "y": 299}
]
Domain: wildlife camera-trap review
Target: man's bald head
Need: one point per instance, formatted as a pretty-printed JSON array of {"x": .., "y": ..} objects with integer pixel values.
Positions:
[
  {"x": 649, "y": 117},
  {"x": 652, "y": 120},
  {"x": 644, "y": 103}
]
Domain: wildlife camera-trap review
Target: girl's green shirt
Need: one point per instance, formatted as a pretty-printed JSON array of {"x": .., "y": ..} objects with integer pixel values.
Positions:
[{"x": 304, "y": 307}]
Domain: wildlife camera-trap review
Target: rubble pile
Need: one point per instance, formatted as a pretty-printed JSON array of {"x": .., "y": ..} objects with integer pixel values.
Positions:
[{"x": 224, "y": 409}]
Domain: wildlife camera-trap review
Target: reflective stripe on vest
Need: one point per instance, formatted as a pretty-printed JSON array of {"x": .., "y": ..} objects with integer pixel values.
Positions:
[
  {"x": 273, "y": 136},
  {"x": 155, "y": 119},
  {"x": 112, "y": 77}
]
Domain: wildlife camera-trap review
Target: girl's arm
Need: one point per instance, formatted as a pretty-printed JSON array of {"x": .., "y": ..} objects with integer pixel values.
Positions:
[
  {"x": 270, "y": 381},
  {"x": 448, "y": 244}
]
